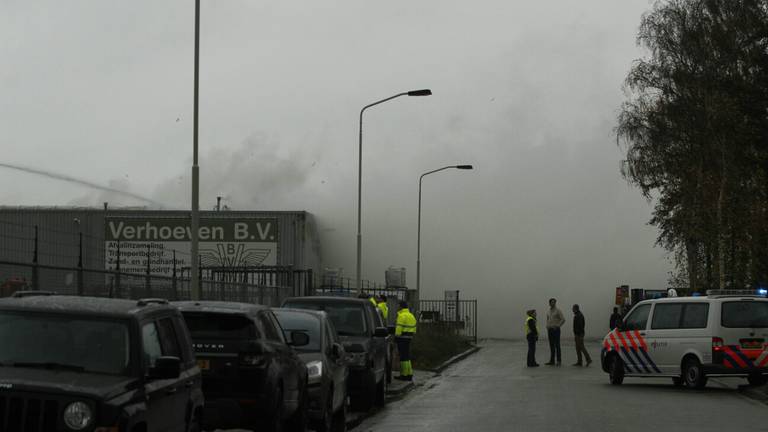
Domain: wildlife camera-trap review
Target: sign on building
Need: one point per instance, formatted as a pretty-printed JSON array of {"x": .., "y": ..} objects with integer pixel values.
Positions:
[{"x": 151, "y": 242}]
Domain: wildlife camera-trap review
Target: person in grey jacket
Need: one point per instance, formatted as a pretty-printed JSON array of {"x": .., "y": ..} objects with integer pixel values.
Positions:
[
  {"x": 555, "y": 320},
  {"x": 578, "y": 333}
]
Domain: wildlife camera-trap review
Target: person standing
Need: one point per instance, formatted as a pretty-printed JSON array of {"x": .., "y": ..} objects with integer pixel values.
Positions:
[
  {"x": 615, "y": 318},
  {"x": 404, "y": 332},
  {"x": 578, "y": 333},
  {"x": 555, "y": 320},
  {"x": 532, "y": 335},
  {"x": 383, "y": 308}
]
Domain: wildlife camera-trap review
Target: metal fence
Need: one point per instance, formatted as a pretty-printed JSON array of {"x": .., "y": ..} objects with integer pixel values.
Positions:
[{"x": 458, "y": 316}]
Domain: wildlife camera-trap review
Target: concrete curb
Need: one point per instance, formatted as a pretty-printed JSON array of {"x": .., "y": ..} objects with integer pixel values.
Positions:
[
  {"x": 455, "y": 359},
  {"x": 393, "y": 394}
]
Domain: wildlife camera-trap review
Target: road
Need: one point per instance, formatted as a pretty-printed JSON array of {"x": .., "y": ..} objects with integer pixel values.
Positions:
[{"x": 494, "y": 391}]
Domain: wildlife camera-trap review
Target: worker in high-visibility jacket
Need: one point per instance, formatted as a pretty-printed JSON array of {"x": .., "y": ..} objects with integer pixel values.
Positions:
[
  {"x": 404, "y": 332},
  {"x": 383, "y": 308},
  {"x": 532, "y": 335}
]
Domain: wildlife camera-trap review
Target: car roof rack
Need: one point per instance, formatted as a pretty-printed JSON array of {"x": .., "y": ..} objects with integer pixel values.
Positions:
[
  {"x": 21, "y": 294},
  {"x": 732, "y": 292},
  {"x": 149, "y": 301}
]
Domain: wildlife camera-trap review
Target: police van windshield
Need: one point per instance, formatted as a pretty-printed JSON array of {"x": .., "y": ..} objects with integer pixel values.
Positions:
[
  {"x": 745, "y": 314},
  {"x": 64, "y": 343}
]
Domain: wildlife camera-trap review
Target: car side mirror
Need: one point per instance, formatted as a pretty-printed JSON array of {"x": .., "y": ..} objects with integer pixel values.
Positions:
[
  {"x": 299, "y": 339},
  {"x": 381, "y": 332},
  {"x": 165, "y": 368},
  {"x": 621, "y": 326},
  {"x": 337, "y": 351}
]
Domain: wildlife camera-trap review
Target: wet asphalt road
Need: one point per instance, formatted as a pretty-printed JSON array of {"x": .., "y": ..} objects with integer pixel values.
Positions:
[{"x": 494, "y": 391}]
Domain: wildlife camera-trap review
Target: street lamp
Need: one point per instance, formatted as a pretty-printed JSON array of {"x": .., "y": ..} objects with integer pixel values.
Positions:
[
  {"x": 418, "y": 235},
  {"x": 423, "y": 92},
  {"x": 195, "y": 222}
]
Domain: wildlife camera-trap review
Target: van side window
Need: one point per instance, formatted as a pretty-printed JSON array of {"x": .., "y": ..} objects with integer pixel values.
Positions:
[
  {"x": 638, "y": 319},
  {"x": 695, "y": 315},
  {"x": 667, "y": 316}
]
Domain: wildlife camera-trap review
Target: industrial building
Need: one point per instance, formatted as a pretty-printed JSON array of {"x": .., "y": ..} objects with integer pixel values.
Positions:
[{"x": 57, "y": 243}]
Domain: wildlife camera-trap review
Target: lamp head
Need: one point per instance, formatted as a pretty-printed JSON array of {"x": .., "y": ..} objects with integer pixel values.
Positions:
[
  {"x": 424, "y": 92},
  {"x": 464, "y": 167}
]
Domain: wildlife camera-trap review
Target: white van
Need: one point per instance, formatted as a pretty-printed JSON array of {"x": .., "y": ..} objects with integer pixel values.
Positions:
[{"x": 689, "y": 339}]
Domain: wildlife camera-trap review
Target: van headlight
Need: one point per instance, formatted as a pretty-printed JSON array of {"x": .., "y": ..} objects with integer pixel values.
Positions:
[
  {"x": 315, "y": 371},
  {"x": 78, "y": 415}
]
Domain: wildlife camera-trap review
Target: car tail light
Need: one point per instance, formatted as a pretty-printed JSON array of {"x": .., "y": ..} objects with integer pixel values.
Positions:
[{"x": 717, "y": 344}]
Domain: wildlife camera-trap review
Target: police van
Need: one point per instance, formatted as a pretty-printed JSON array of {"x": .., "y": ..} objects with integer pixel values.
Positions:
[{"x": 690, "y": 339}]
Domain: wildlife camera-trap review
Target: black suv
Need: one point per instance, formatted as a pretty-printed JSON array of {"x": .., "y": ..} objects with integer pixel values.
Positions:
[
  {"x": 366, "y": 341},
  {"x": 252, "y": 377},
  {"x": 71, "y": 364}
]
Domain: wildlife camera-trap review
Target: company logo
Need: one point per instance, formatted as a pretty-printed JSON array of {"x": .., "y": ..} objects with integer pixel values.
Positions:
[{"x": 656, "y": 344}]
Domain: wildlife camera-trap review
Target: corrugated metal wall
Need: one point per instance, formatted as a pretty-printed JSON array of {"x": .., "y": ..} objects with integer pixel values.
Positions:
[{"x": 59, "y": 228}]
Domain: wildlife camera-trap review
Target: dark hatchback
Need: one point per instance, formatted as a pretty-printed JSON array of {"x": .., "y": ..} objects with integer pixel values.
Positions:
[
  {"x": 96, "y": 365},
  {"x": 326, "y": 366},
  {"x": 366, "y": 341},
  {"x": 252, "y": 377}
]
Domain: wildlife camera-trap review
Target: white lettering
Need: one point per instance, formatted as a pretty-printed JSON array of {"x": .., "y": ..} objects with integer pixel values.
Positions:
[
  {"x": 218, "y": 233},
  {"x": 263, "y": 233},
  {"x": 165, "y": 233},
  {"x": 115, "y": 232},
  {"x": 204, "y": 233},
  {"x": 178, "y": 233},
  {"x": 241, "y": 231},
  {"x": 129, "y": 232}
]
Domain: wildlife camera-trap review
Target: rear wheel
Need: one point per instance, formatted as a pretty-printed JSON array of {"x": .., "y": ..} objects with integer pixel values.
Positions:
[
  {"x": 298, "y": 421},
  {"x": 275, "y": 421},
  {"x": 340, "y": 419},
  {"x": 757, "y": 380},
  {"x": 381, "y": 392},
  {"x": 693, "y": 374},
  {"x": 616, "y": 371},
  {"x": 326, "y": 423}
]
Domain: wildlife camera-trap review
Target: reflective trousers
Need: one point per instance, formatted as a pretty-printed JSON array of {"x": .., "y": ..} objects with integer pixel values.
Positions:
[{"x": 404, "y": 350}]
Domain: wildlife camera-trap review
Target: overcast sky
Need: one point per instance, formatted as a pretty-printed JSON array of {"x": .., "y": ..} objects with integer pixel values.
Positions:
[{"x": 527, "y": 92}]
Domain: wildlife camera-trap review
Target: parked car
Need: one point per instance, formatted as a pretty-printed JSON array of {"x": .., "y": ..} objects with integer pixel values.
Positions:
[
  {"x": 326, "y": 367},
  {"x": 252, "y": 377},
  {"x": 689, "y": 339},
  {"x": 367, "y": 343},
  {"x": 85, "y": 364}
]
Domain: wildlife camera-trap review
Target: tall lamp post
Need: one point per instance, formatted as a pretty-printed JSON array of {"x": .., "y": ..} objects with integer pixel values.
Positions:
[
  {"x": 195, "y": 222},
  {"x": 424, "y": 92},
  {"x": 418, "y": 235}
]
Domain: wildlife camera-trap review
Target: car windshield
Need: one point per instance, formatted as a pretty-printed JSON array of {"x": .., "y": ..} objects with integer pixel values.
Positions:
[
  {"x": 219, "y": 326},
  {"x": 67, "y": 343},
  {"x": 348, "y": 318},
  {"x": 745, "y": 314},
  {"x": 303, "y": 322}
]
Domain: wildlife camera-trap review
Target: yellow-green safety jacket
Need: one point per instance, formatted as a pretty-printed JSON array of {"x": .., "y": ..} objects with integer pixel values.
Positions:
[
  {"x": 384, "y": 310},
  {"x": 406, "y": 323},
  {"x": 528, "y": 327}
]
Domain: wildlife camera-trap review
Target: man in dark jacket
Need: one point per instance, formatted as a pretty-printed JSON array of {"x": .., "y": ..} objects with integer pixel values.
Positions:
[
  {"x": 615, "y": 318},
  {"x": 578, "y": 332}
]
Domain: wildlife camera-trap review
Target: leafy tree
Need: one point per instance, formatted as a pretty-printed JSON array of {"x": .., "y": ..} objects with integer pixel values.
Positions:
[{"x": 694, "y": 126}]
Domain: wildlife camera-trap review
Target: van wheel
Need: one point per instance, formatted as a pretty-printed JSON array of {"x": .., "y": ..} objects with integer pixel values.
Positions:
[
  {"x": 757, "y": 380},
  {"x": 693, "y": 374},
  {"x": 616, "y": 371},
  {"x": 677, "y": 381}
]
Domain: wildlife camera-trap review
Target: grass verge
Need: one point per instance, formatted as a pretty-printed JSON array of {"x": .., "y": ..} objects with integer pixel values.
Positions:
[{"x": 434, "y": 344}]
